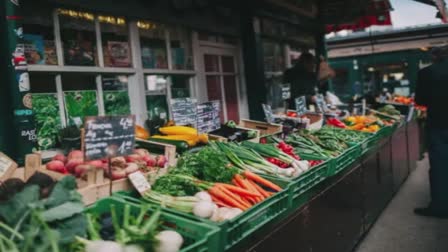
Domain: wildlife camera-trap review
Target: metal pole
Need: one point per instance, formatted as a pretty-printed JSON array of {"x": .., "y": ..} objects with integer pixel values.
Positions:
[{"x": 23, "y": 130}]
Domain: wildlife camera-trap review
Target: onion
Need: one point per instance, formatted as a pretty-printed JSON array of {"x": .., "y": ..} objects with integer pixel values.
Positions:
[{"x": 203, "y": 196}]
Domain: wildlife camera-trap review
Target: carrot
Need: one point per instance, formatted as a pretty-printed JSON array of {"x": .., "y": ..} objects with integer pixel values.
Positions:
[
  {"x": 259, "y": 189},
  {"x": 253, "y": 189},
  {"x": 233, "y": 196},
  {"x": 240, "y": 191},
  {"x": 219, "y": 202},
  {"x": 239, "y": 180},
  {"x": 258, "y": 179},
  {"x": 215, "y": 191}
]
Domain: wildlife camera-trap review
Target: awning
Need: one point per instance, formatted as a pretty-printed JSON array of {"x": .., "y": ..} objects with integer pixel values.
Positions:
[{"x": 367, "y": 13}]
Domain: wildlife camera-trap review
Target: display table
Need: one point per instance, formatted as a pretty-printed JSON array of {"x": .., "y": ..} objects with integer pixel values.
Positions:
[{"x": 343, "y": 208}]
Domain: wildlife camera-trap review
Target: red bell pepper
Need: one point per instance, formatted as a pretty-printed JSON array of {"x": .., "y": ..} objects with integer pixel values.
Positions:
[{"x": 335, "y": 122}]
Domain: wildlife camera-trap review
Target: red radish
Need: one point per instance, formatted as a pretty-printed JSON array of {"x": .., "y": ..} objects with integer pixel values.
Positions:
[
  {"x": 75, "y": 154},
  {"x": 56, "y": 165},
  {"x": 133, "y": 158},
  {"x": 142, "y": 152},
  {"x": 96, "y": 163},
  {"x": 150, "y": 161},
  {"x": 161, "y": 161},
  {"x": 132, "y": 167},
  {"x": 117, "y": 173},
  {"x": 71, "y": 164},
  {"x": 81, "y": 169},
  {"x": 60, "y": 157}
]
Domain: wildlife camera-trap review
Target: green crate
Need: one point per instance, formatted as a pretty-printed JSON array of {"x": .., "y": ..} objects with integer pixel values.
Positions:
[
  {"x": 197, "y": 236},
  {"x": 370, "y": 143},
  {"x": 345, "y": 159},
  {"x": 241, "y": 227}
]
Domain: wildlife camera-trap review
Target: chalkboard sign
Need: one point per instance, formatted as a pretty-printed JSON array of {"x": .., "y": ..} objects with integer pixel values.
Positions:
[
  {"x": 208, "y": 116},
  {"x": 269, "y": 115},
  {"x": 300, "y": 105},
  {"x": 108, "y": 136},
  {"x": 184, "y": 111}
]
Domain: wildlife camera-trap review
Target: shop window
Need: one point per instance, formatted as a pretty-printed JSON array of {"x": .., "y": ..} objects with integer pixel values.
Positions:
[
  {"x": 38, "y": 36},
  {"x": 217, "y": 38},
  {"x": 78, "y": 38},
  {"x": 181, "y": 48},
  {"x": 274, "y": 57},
  {"x": 180, "y": 86},
  {"x": 115, "y": 95},
  {"x": 115, "y": 41},
  {"x": 80, "y": 97},
  {"x": 46, "y": 109},
  {"x": 156, "y": 101},
  {"x": 153, "y": 45}
]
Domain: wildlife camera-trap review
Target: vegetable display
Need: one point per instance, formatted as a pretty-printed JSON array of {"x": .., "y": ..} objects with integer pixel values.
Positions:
[{"x": 181, "y": 133}]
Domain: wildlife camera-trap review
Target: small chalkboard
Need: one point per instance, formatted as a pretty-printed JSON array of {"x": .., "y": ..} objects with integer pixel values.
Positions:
[
  {"x": 208, "y": 116},
  {"x": 300, "y": 105},
  {"x": 7, "y": 167},
  {"x": 184, "y": 111},
  {"x": 108, "y": 136},
  {"x": 269, "y": 115}
]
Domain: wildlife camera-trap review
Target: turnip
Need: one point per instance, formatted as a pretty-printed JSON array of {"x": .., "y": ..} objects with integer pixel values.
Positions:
[
  {"x": 96, "y": 163},
  {"x": 60, "y": 157},
  {"x": 75, "y": 154},
  {"x": 203, "y": 196},
  {"x": 161, "y": 161},
  {"x": 204, "y": 209},
  {"x": 117, "y": 173},
  {"x": 130, "y": 168},
  {"x": 150, "y": 161},
  {"x": 169, "y": 241},
  {"x": 56, "y": 165},
  {"x": 133, "y": 158},
  {"x": 118, "y": 161},
  {"x": 103, "y": 246},
  {"x": 81, "y": 169}
]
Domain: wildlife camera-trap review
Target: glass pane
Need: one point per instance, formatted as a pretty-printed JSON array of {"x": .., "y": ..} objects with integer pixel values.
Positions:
[
  {"x": 38, "y": 34},
  {"x": 115, "y": 95},
  {"x": 228, "y": 64},
  {"x": 214, "y": 91},
  {"x": 78, "y": 38},
  {"x": 211, "y": 63},
  {"x": 80, "y": 97},
  {"x": 114, "y": 36},
  {"x": 156, "y": 83},
  {"x": 180, "y": 86},
  {"x": 153, "y": 45},
  {"x": 46, "y": 109},
  {"x": 274, "y": 58},
  {"x": 231, "y": 94},
  {"x": 181, "y": 48},
  {"x": 157, "y": 112}
]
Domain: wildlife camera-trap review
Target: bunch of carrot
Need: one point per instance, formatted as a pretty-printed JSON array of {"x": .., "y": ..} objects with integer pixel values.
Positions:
[{"x": 245, "y": 192}]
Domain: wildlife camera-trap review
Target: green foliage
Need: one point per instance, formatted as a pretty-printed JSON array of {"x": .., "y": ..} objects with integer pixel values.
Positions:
[
  {"x": 80, "y": 104},
  {"x": 48, "y": 122},
  {"x": 116, "y": 103}
]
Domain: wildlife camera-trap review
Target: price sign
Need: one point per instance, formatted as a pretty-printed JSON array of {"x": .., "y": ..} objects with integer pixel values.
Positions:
[
  {"x": 184, "y": 111},
  {"x": 269, "y": 115},
  {"x": 7, "y": 167},
  {"x": 301, "y": 105},
  {"x": 139, "y": 182},
  {"x": 321, "y": 104},
  {"x": 108, "y": 136},
  {"x": 208, "y": 116}
]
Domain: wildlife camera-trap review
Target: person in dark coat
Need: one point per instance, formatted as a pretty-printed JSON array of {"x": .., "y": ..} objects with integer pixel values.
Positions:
[
  {"x": 432, "y": 91},
  {"x": 303, "y": 79}
]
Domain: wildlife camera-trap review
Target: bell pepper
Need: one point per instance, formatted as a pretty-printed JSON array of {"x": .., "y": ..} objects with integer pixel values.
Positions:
[{"x": 336, "y": 123}]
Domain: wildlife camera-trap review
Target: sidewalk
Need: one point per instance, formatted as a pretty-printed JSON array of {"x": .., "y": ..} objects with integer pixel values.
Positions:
[{"x": 399, "y": 230}]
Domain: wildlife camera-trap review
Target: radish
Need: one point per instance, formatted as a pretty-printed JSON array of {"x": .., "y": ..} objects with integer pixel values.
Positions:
[
  {"x": 133, "y": 158},
  {"x": 71, "y": 164},
  {"x": 60, "y": 157},
  {"x": 96, "y": 163},
  {"x": 150, "y": 161},
  {"x": 132, "y": 167},
  {"x": 161, "y": 161},
  {"x": 81, "y": 170},
  {"x": 57, "y": 166},
  {"x": 142, "y": 152},
  {"x": 75, "y": 154}
]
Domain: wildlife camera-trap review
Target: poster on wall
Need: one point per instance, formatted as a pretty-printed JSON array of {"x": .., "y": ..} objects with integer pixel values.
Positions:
[
  {"x": 119, "y": 53},
  {"x": 79, "y": 53},
  {"x": 79, "y": 104},
  {"x": 34, "y": 49}
]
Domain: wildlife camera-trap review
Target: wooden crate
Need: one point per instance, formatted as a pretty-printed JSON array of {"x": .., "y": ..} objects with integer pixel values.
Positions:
[{"x": 263, "y": 127}]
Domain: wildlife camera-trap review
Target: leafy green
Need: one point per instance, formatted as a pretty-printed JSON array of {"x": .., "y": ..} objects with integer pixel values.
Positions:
[
  {"x": 175, "y": 186},
  {"x": 208, "y": 164},
  {"x": 16, "y": 207},
  {"x": 64, "y": 211},
  {"x": 63, "y": 191}
]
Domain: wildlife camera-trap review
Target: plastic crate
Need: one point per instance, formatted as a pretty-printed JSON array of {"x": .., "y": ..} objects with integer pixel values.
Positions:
[
  {"x": 345, "y": 159},
  {"x": 370, "y": 143},
  {"x": 247, "y": 223},
  {"x": 197, "y": 236}
]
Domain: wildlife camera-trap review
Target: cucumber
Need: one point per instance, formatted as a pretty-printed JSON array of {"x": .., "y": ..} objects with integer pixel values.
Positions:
[{"x": 181, "y": 146}]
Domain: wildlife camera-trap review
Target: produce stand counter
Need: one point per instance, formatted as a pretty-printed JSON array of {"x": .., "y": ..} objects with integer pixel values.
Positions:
[{"x": 338, "y": 212}]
